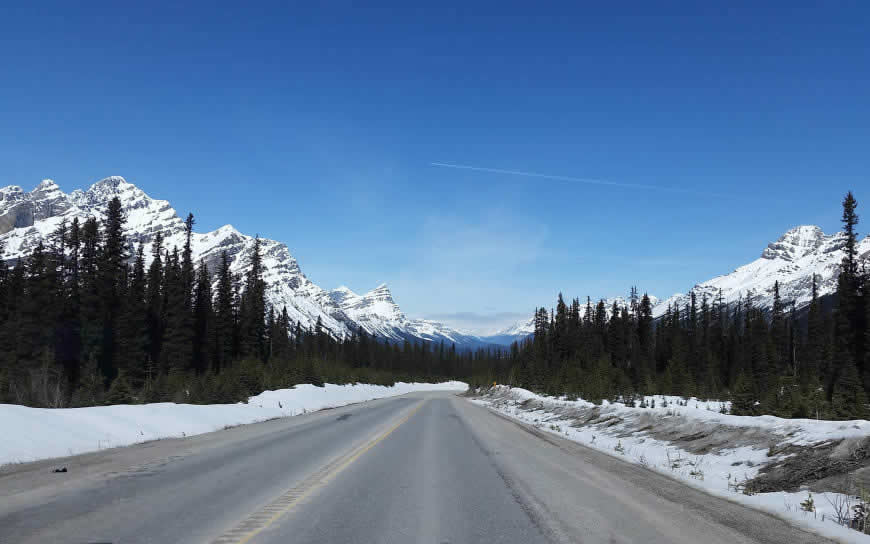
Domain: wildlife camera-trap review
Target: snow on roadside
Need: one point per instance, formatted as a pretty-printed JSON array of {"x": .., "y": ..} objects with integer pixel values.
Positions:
[
  {"x": 30, "y": 434},
  {"x": 628, "y": 433}
]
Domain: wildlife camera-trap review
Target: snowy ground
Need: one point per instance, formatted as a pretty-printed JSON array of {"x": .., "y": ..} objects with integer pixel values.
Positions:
[
  {"x": 30, "y": 434},
  {"x": 663, "y": 438}
]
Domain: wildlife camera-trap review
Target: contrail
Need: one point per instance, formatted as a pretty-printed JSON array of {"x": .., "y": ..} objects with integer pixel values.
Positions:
[{"x": 570, "y": 179}]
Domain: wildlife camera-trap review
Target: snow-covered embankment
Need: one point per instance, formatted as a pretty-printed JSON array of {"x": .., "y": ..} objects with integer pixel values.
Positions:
[
  {"x": 30, "y": 434},
  {"x": 693, "y": 441}
]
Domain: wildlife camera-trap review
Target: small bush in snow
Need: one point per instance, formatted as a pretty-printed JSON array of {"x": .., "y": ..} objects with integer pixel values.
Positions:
[
  {"x": 619, "y": 448},
  {"x": 808, "y": 505}
]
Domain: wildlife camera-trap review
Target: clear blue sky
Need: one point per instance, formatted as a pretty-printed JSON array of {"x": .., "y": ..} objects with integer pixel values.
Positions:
[{"x": 315, "y": 123}]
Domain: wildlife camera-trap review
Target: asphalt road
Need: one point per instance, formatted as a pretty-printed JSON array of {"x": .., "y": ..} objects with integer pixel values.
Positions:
[{"x": 422, "y": 468}]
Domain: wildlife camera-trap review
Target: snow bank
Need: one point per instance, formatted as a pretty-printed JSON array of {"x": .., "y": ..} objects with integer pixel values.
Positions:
[
  {"x": 630, "y": 434},
  {"x": 30, "y": 434}
]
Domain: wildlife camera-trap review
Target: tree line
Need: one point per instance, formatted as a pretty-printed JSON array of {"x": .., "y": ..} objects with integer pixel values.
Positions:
[
  {"x": 84, "y": 321},
  {"x": 770, "y": 361}
]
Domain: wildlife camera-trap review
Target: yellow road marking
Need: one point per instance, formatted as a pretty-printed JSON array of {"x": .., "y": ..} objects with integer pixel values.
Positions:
[{"x": 254, "y": 524}]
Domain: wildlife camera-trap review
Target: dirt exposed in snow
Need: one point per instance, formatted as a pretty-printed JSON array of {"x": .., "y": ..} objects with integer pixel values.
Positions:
[{"x": 838, "y": 465}]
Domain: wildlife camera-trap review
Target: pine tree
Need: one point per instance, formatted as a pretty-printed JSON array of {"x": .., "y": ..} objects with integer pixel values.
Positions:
[
  {"x": 813, "y": 354},
  {"x": 187, "y": 272},
  {"x": 91, "y": 304},
  {"x": 203, "y": 321},
  {"x": 177, "y": 351},
  {"x": 252, "y": 318},
  {"x": 225, "y": 316},
  {"x": 111, "y": 284},
  {"x": 743, "y": 397},
  {"x": 134, "y": 325},
  {"x": 154, "y": 307},
  {"x": 120, "y": 392},
  {"x": 848, "y": 314},
  {"x": 849, "y": 401}
]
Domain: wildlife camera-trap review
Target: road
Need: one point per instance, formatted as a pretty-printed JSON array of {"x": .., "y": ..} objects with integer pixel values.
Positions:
[{"x": 421, "y": 468}]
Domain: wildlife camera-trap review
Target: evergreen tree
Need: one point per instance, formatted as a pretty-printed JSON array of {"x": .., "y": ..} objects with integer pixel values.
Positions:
[
  {"x": 154, "y": 308},
  {"x": 225, "y": 316},
  {"x": 849, "y": 400},
  {"x": 252, "y": 318},
  {"x": 203, "y": 322},
  {"x": 177, "y": 351},
  {"x": 111, "y": 284}
]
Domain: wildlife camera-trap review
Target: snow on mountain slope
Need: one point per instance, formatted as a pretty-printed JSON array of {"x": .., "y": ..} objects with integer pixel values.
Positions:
[
  {"x": 378, "y": 314},
  {"x": 28, "y": 217},
  {"x": 515, "y": 333},
  {"x": 792, "y": 260},
  {"x": 520, "y": 328}
]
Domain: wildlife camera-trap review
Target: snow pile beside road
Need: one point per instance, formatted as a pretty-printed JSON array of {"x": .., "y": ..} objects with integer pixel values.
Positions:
[
  {"x": 30, "y": 434},
  {"x": 692, "y": 441}
]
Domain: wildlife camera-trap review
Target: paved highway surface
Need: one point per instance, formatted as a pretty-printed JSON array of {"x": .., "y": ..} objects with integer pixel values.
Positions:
[{"x": 422, "y": 468}]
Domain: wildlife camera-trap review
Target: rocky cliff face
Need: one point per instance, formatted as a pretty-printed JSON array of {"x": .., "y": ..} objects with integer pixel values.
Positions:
[
  {"x": 792, "y": 260},
  {"x": 28, "y": 217}
]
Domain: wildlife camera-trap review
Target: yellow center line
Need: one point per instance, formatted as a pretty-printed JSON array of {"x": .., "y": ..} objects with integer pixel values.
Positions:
[{"x": 254, "y": 524}]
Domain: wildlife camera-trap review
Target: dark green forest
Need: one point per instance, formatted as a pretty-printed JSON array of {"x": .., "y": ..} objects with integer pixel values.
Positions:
[
  {"x": 84, "y": 322},
  {"x": 766, "y": 362}
]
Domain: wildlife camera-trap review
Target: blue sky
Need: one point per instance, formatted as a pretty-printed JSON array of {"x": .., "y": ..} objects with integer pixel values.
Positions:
[{"x": 317, "y": 123}]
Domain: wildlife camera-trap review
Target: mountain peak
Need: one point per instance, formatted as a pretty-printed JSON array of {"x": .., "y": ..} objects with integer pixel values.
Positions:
[
  {"x": 795, "y": 243},
  {"x": 111, "y": 181},
  {"x": 377, "y": 303},
  {"x": 343, "y": 289},
  {"x": 343, "y": 296},
  {"x": 10, "y": 190},
  {"x": 227, "y": 229},
  {"x": 380, "y": 290},
  {"x": 47, "y": 185}
]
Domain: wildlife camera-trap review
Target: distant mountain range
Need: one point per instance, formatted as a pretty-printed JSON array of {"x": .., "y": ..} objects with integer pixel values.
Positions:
[{"x": 28, "y": 217}]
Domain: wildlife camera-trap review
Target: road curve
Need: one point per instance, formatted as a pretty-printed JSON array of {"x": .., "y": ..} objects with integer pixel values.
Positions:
[{"x": 423, "y": 468}]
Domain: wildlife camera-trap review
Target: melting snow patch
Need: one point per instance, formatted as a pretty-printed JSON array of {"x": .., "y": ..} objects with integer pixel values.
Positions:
[{"x": 691, "y": 440}]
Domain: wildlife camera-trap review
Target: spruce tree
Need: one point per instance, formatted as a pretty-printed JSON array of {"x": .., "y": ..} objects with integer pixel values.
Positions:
[
  {"x": 177, "y": 350},
  {"x": 134, "y": 324},
  {"x": 111, "y": 284},
  {"x": 154, "y": 308},
  {"x": 252, "y": 318},
  {"x": 203, "y": 321},
  {"x": 849, "y": 400},
  {"x": 225, "y": 316}
]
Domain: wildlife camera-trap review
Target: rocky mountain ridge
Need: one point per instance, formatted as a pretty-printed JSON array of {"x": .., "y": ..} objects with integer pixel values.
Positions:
[
  {"x": 791, "y": 260},
  {"x": 28, "y": 217}
]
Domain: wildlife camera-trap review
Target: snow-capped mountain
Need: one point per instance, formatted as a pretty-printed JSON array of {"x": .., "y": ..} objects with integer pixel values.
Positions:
[
  {"x": 517, "y": 332},
  {"x": 28, "y": 217},
  {"x": 378, "y": 314},
  {"x": 791, "y": 260}
]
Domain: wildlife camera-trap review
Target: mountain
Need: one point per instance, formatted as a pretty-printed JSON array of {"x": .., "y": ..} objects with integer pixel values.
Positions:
[
  {"x": 378, "y": 314},
  {"x": 28, "y": 217},
  {"x": 515, "y": 333},
  {"x": 791, "y": 260}
]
